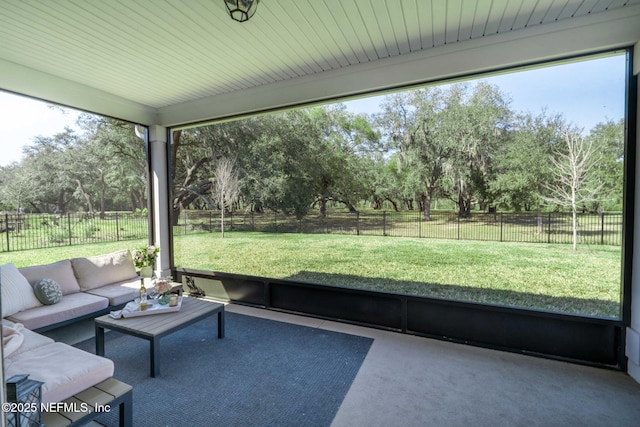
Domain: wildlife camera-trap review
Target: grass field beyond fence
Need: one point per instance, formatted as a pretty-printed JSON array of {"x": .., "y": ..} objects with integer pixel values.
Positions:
[
  {"x": 539, "y": 276},
  {"x": 525, "y": 227}
]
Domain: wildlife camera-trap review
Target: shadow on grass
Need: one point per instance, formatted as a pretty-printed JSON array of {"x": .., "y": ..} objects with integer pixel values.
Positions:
[{"x": 571, "y": 305}]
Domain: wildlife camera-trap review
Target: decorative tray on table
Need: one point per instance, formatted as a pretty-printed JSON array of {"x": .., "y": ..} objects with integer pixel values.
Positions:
[{"x": 132, "y": 309}]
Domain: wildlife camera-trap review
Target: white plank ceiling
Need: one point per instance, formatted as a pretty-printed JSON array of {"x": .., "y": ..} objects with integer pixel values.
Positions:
[{"x": 162, "y": 53}]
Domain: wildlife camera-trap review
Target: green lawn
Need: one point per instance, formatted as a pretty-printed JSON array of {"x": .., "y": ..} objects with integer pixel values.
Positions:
[
  {"x": 47, "y": 255},
  {"x": 541, "y": 276},
  {"x": 549, "y": 277}
]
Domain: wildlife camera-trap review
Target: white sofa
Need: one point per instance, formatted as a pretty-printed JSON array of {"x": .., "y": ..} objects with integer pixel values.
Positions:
[
  {"x": 89, "y": 286},
  {"x": 64, "y": 370}
]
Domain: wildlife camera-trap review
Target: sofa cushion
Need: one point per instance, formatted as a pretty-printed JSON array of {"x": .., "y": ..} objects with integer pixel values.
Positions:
[
  {"x": 119, "y": 293},
  {"x": 12, "y": 339},
  {"x": 47, "y": 291},
  {"x": 65, "y": 370},
  {"x": 97, "y": 271},
  {"x": 17, "y": 294},
  {"x": 59, "y": 271},
  {"x": 30, "y": 341},
  {"x": 70, "y": 307}
]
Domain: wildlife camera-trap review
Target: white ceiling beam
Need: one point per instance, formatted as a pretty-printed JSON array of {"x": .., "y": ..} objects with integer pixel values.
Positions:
[
  {"x": 556, "y": 40},
  {"x": 27, "y": 81}
]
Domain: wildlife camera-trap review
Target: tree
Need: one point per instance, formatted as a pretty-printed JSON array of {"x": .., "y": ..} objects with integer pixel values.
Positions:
[
  {"x": 71, "y": 170},
  {"x": 119, "y": 171},
  {"x": 521, "y": 162},
  {"x": 280, "y": 164},
  {"x": 573, "y": 185},
  {"x": 446, "y": 138},
  {"x": 386, "y": 183},
  {"x": 226, "y": 187},
  {"x": 52, "y": 186},
  {"x": 411, "y": 121},
  {"x": 343, "y": 152},
  {"x": 193, "y": 155},
  {"x": 476, "y": 122},
  {"x": 609, "y": 170},
  {"x": 15, "y": 188}
]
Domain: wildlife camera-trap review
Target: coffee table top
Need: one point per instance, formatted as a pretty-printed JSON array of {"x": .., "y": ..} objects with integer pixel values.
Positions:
[{"x": 192, "y": 310}]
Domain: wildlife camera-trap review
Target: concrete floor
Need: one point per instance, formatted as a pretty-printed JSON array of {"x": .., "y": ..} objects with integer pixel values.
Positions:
[{"x": 414, "y": 381}]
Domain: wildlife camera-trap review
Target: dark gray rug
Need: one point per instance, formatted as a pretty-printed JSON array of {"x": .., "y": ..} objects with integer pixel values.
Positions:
[{"x": 263, "y": 373}]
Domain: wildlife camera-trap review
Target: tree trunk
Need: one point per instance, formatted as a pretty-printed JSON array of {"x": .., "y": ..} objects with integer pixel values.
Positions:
[
  {"x": 464, "y": 207},
  {"x": 222, "y": 220},
  {"x": 87, "y": 197},
  {"x": 35, "y": 208},
  {"x": 395, "y": 205},
  {"x": 575, "y": 230},
  {"x": 539, "y": 221},
  {"x": 426, "y": 202},
  {"x": 103, "y": 192},
  {"x": 574, "y": 214},
  {"x": 62, "y": 204},
  {"x": 421, "y": 203},
  {"x": 175, "y": 217},
  {"x": 377, "y": 203},
  {"x": 323, "y": 206},
  {"x": 132, "y": 200}
]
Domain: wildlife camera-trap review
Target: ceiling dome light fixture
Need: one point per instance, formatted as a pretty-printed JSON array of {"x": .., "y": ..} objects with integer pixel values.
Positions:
[{"x": 241, "y": 10}]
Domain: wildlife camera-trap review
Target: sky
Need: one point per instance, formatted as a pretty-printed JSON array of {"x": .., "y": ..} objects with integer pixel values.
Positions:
[
  {"x": 22, "y": 119},
  {"x": 586, "y": 92}
]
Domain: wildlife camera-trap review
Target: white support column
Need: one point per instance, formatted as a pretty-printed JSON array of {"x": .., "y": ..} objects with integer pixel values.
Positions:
[
  {"x": 633, "y": 331},
  {"x": 159, "y": 197},
  {"x": 3, "y": 398}
]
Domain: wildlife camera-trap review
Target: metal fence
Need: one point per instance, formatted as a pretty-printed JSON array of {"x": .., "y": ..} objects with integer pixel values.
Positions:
[
  {"x": 35, "y": 231},
  {"x": 531, "y": 227}
]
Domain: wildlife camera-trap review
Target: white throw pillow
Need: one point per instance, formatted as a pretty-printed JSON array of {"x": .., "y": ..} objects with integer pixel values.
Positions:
[{"x": 17, "y": 293}]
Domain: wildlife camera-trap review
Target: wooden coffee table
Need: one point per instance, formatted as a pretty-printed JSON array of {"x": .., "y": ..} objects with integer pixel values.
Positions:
[{"x": 156, "y": 326}]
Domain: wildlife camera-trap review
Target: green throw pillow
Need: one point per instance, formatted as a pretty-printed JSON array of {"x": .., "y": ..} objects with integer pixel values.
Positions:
[{"x": 47, "y": 291}]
